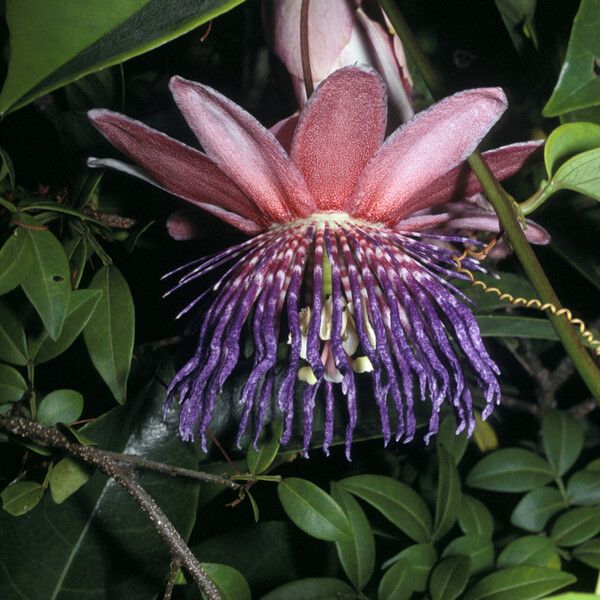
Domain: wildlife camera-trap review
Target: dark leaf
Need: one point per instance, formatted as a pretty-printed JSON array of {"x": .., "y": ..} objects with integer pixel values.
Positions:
[
  {"x": 230, "y": 583},
  {"x": 535, "y": 509},
  {"x": 397, "y": 583},
  {"x": 583, "y": 488},
  {"x": 449, "y": 578},
  {"x": 474, "y": 517},
  {"x": 421, "y": 558},
  {"x": 314, "y": 588},
  {"x": 448, "y": 496},
  {"x": 60, "y": 406},
  {"x": 67, "y": 476},
  {"x": 576, "y": 526},
  {"x": 19, "y": 498},
  {"x": 589, "y": 553},
  {"x": 13, "y": 345},
  {"x": 15, "y": 261},
  {"x": 562, "y": 436},
  {"x": 477, "y": 547},
  {"x": 530, "y": 550},
  {"x": 12, "y": 385}
]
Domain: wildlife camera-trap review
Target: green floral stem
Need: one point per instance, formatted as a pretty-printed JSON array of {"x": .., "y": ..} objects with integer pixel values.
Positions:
[{"x": 507, "y": 213}]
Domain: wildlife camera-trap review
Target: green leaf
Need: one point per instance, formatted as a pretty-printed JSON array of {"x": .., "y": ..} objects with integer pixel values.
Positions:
[
  {"x": 313, "y": 588},
  {"x": 477, "y": 547},
  {"x": 510, "y": 470},
  {"x": 394, "y": 500},
  {"x": 47, "y": 283},
  {"x": 358, "y": 556},
  {"x": 52, "y": 42},
  {"x": 578, "y": 85},
  {"x": 7, "y": 169},
  {"x": 15, "y": 261},
  {"x": 230, "y": 582},
  {"x": 562, "y": 437},
  {"x": 421, "y": 558},
  {"x": 85, "y": 187},
  {"x": 447, "y": 437},
  {"x": 512, "y": 283},
  {"x": 19, "y": 498},
  {"x": 81, "y": 307},
  {"x": 474, "y": 517},
  {"x": 12, "y": 385},
  {"x": 67, "y": 476},
  {"x": 260, "y": 460},
  {"x": 530, "y": 550},
  {"x": 448, "y": 497},
  {"x": 580, "y": 174},
  {"x": 518, "y": 20},
  {"x": 593, "y": 465},
  {"x": 518, "y": 327},
  {"x": 313, "y": 510},
  {"x": 519, "y": 583},
  {"x": 568, "y": 140},
  {"x": 576, "y": 526},
  {"x": 449, "y": 578},
  {"x": 588, "y": 553},
  {"x": 69, "y": 546},
  {"x": 584, "y": 488},
  {"x": 13, "y": 345},
  {"x": 77, "y": 252},
  {"x": 60, "y": 406},
  {"x": 535, "y": 509},
  {"x": 109, "y": 334},
  {"x": 397, "y": 582}
]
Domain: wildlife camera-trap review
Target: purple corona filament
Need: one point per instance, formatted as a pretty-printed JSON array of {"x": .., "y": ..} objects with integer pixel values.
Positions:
[{"x": 346, "y": 280}]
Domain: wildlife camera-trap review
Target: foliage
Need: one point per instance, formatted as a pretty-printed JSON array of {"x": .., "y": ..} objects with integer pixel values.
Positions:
[{"x": 88, "y": 345}]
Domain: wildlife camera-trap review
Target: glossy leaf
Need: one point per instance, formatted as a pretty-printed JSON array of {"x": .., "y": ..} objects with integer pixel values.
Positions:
[
  {"x": 63, "y": 541},
  {"x": 47, "y": 283},
  {"x": 421, "y": 558},
  {"x": 260, "y": 460},
  {"x": 67, "y": 476},
  {"x": 449, "y": 578},
  {"x": 7, "y": 169},
  {"x": 77, "y": 252},
  {"x": 477, "y": 547},
  {"x": 448, "y": 496},
  {"x": 447, "y": 437},
  {"x": 12, "y": 384},
  {"x": 313, "y": 510},
  {"x": 578, "y": 85},
  {"x": 580, "y": 174},
  {"x": 510, "y": 470},
  {"x": 81, "y": 307},
  {"x": 109, "y": 334},
  {"x": 230, "y": 583},
  {"x": 397, "y": 583},
  {"x": 568, "y": 140},
  {"x": 535, "y": 509},
  {"x": 562, "y": 437},
  {"x": 15, "y": 261},
  {"x": 13, "y": 345},
  {"x": 60, "y": 406},
  {"x": 588, "y": 553},
  {"x": 518, "y": 327},
  {"x": 474, "y": 517},
  {"x": 576, "y": 526},
  {"x": 531, "y": 550},
  {"x": 583, "y": 488},
  {"x": 43, "y": 58},
  {"x": 19, "y": 498},
  {"x": 394, "y": 500},
  {"x": 357, "y": 557},
  {"x": 519, "y": 583},
  {"x": 518, "y": 20},
  {"x": 313, "y": 588}
]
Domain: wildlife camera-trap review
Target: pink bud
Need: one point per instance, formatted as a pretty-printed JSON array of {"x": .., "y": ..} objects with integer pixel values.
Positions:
[{"x": 340, "y": 34}]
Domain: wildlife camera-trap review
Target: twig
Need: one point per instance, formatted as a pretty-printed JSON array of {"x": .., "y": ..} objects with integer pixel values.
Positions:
[
  {"x": 142, "y": 463},
  {"x": 173, "y": 570},
  {"x": 124, "y": 477}
]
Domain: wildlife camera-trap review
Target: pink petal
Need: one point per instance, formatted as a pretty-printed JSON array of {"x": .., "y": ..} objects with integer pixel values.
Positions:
[
  {"x": 338, "y": 131},
  {"x": 461, "y": 182},
  {"x": 384, "y": 58},
  {"x": 423, "y": 150},
  {"x": 329, "y": 25},
  {"x": 173, "y": 166},
  {"x": 420, "y": 222},
  {"x": 284, "y": 131},
  {"x": 239, "y": 222},
  {"x": 534, "y": 233},
  {"x": 243, "y": 149}
]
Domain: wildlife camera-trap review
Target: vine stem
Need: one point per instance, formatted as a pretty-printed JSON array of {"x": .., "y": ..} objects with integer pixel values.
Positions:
[
  {"x": 506, "y": 210},
  {"x": 305, "y": 50},
  {"x": 124, "y": 476}
]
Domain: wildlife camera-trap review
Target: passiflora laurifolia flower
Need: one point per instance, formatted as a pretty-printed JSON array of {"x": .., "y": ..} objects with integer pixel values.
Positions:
[
  {"x": 339, "y": 272},
  {"x": 340, "y": 33}
]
